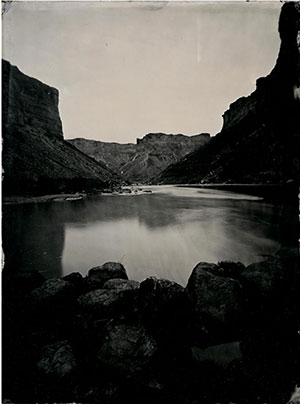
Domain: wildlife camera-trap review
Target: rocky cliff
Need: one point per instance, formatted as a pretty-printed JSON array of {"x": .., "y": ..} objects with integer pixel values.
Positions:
[
  {"x": 36, "y": 159},
  {"x": 144, "y": 160},
  {"x": 260, "y": 138}
]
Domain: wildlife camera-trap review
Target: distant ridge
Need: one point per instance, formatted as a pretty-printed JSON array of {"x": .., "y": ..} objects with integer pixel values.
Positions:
[{"x": 144, "y": 160}]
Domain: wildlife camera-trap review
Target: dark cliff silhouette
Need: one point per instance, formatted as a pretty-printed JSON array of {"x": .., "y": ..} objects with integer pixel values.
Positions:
[
  {"x": 36, "y": 158},
  {"x": 260, "y": 138}
]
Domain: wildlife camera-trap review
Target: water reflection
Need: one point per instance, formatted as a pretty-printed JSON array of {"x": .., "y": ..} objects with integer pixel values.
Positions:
[{"x": 165, "y": 233}]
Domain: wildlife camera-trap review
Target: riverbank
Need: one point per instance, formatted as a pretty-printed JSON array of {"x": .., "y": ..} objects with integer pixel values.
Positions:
[
  {"x": 127, "y": 190},
  {"x": 225, "y": 337}
]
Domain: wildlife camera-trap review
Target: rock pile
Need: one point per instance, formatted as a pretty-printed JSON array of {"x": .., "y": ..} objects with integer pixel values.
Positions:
[{"x": 230, "y": 336}]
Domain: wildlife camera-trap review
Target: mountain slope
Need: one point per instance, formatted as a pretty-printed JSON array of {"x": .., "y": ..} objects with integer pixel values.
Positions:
[
  {"x": 260, "y": 138},
  {"x": 36, "y": 158},
  {"x": 147, "y": 158}
]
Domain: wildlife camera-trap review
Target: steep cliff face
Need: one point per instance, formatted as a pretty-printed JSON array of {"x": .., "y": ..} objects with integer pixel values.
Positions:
[
  {"x": 35, "y": 158},
  {"x": 260, "y": 138},
  {"x": 147, "y": 158}
]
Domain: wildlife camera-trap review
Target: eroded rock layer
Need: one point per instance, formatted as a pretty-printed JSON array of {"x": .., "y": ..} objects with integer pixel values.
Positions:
[
  {"x": 144, "y": 160},
  {"x": 36, "y": 158}
]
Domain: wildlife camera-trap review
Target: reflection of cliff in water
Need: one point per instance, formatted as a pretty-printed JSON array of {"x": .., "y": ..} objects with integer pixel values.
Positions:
[
  {"x": 33, "y": 239},
  {"x": 35, "y": 235}
]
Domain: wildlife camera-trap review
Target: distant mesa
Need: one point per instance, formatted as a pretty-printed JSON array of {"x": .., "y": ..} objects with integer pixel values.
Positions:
[
  {"x": 147, "y": 158},
  {"x": 260, "y": 138},
  {"x": 36, "y": 158}
]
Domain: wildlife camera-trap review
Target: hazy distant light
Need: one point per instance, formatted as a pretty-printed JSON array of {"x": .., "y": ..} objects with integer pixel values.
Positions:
[{"x": 127, "y": 69}]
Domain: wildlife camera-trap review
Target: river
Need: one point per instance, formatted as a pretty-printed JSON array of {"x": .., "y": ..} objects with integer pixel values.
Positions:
[{"x": 164, "y": 233}]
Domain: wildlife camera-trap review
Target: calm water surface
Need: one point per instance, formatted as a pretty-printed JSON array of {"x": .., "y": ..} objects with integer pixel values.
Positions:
[{"x": 165, "y": 233}]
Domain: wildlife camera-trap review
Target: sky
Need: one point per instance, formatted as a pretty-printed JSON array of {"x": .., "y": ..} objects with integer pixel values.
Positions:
[{"x": 124, "y": 69}]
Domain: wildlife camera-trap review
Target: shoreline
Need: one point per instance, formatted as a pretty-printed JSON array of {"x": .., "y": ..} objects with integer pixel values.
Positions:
[{"x": 269, "y": 192}]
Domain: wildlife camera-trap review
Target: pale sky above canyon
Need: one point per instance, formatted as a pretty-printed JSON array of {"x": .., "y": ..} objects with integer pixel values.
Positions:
[{"x": 127, "y": 69}]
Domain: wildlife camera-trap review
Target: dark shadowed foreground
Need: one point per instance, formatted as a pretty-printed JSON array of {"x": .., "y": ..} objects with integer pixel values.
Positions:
[{"x": 230, "y": 336}]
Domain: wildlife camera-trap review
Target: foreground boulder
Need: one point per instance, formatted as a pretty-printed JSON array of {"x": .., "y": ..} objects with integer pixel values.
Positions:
[
  {"x": 158, "y": 297},
  {"x": 51, "y": 294},
  {"x": 58, "y": 361},
  {"x": 221, "y": 355},
  {"x": 126, "y": 349},
  {"x": 263, "y": 281},
  {"x": 216, "y": 299},
  {"x": 117, "y": 299},
  {"x": 121, "y": 285},
  {"x": 100, "y": 302},
  {"x": 97, "y": 276}
]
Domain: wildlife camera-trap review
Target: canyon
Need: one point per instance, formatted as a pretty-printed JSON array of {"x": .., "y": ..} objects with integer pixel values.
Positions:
[{"x": 144, "y": 160}]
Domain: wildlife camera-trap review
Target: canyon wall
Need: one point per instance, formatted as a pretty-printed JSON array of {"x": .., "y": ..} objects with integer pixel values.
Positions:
[
  {"x": 36, "y": 159},
  {"x": 144, "y": 160},
  {"x": 260, "y": 138}
]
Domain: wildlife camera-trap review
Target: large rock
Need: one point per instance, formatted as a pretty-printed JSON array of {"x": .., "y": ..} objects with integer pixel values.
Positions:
[
  {"x": 126, "y": 349},
  {"x": 232, "y": 269},
  {"x": 97, "y": 276},
  {"x": 161, "y": 302},
  {"x": 77, "y": 280},
  {"x": 119, "y": 298},
  {"x": 121, "y": 285},
  {"x": 221, "y": 355},
  {"x": 264, "y": 283},
  {"x": 52, "y": 293},
  {"x": 216, "y": 299},
  {"x": 58, "y": 361},
  {"x": 165, "y": 311},
  {"x": 101, "y": 302}
]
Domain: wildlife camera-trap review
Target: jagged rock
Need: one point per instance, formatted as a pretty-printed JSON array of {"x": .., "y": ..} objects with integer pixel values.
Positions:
[
  {"x": 97, "y": 276},
  {"x": 232, "y": 269},
  {"x": 164, "y": 310},
  {"x": 215, "y": 299},
  {"x": 107, "y": 394},
  {"x": 101, "y": 302},
  {"x": 263, "y": 282},
  {"x": 149, "y": 156},
  {"x": 126, "y": 349},
  {"x": 158, "y": 297},
  {"x": 52, "y": 293},
  {"x": 222, "y": 355},
  {"x": 121, "y": 285},
  {"x": 57, "y": 360},
  {"x": 36, "y": 159},
  {"x": 116, "y": 299},
  {"x": 76, "y": 279}
]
